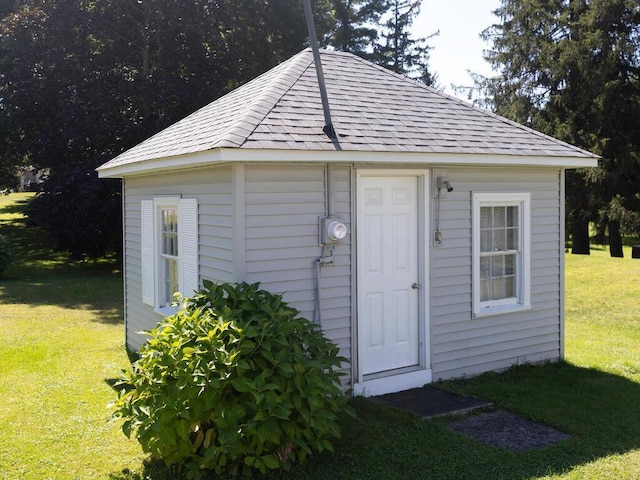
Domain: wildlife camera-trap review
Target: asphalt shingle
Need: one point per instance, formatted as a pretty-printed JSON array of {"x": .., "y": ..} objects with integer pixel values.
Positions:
[{"x": 372, "y": 109}]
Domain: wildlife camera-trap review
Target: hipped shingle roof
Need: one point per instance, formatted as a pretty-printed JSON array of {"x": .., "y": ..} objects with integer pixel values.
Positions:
[{"x": 373, "y": 110}]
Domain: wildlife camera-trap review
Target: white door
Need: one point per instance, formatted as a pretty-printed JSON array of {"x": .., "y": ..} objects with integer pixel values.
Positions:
[{"x": 388, "y": 273}]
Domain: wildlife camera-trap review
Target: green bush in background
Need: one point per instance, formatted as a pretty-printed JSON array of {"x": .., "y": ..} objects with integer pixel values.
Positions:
[{"x": 235, "y": 382}]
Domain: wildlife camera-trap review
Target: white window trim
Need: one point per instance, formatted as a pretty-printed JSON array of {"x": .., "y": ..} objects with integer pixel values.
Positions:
[
  {"x": 151, "y": 247},
  {"x": 523, "y": 201},
  {"x": 159, "y": 204}
]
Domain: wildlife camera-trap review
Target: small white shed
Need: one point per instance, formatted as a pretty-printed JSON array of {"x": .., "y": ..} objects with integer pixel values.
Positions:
[{"x": 452, "y": 262}]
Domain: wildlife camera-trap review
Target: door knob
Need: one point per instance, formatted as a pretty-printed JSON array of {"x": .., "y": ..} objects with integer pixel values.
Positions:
[{"x": 415, "y": 286}]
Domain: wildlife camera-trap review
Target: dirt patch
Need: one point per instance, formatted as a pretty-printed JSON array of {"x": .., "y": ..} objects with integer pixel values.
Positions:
[{"x": 509, "y": 431}]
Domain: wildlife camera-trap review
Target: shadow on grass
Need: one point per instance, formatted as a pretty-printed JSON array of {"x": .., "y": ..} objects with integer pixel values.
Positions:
[
  {"x": 41, "y": 276},
  {"x": 627, "y": 241},
  {"x": 599, "y": 411},
  {"x": 153, "y": 470},
  {"x": 15, "y": 207}
]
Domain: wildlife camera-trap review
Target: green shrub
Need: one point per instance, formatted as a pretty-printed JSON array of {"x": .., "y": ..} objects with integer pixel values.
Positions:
[
  {"x": 235, "y": 382},
  {"x": 6, "y": 254}
]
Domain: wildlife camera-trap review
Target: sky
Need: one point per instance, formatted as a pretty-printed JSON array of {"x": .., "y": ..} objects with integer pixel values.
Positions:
[{"x": 458, "y": 48}]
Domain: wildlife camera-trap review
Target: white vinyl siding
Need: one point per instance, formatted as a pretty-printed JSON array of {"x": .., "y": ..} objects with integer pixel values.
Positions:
[
  {"x": 267, "y": 218},
  {"x": 211, "y": 189},
  {"x": 464, "y": 344},
  {"x": 283, "y": 205}
]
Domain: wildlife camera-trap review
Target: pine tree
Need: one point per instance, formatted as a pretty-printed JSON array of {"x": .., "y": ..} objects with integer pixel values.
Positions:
[
  {"x": 356, "y": 21},
  {"x": 396, "y": 49},
  {"x": 571, "y": 68}
]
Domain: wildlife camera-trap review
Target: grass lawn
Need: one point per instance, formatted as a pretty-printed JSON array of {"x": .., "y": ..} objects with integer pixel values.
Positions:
[
  {"x": 62, "y": 340},
  {"x": 63, "y": 344}
]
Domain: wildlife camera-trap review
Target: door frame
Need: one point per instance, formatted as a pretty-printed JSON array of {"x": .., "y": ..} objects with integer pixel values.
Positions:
[{"x": 410, "y": 377}]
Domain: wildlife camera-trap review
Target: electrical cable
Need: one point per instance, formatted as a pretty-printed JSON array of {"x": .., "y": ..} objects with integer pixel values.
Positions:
[
  {"x": 317, "y": 314},
  {"x": 437, "y": 238}
]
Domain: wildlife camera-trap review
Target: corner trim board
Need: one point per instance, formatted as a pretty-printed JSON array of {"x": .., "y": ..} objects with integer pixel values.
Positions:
[{"x": 239, "y": 222}]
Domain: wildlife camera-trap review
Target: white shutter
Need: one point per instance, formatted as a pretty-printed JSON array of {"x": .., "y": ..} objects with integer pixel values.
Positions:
[
  {"x": 188, "y": 246},
  {"x": 147, "y": 241}
]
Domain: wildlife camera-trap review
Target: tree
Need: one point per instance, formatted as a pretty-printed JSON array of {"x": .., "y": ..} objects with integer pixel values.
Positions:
[
  {"x": 378, "y": 30},
  {"x": 571, "y": 68},
  {"x": 397, "y": 50},
  {"x": 355, "y": 29},
  {"x": 82, "y": 81}
]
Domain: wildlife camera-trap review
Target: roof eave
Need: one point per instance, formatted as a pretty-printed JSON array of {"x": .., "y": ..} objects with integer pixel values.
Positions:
[
  {"x": 231, "y": 155},
  {"x": 164, "y": 164}
]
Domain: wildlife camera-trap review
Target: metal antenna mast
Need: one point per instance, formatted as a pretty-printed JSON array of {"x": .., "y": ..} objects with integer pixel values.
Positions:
[{"x": 328, "y": 127}]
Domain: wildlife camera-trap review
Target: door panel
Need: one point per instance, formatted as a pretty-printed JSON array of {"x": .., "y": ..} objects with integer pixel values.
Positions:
[{"x": 388, "y": 271}]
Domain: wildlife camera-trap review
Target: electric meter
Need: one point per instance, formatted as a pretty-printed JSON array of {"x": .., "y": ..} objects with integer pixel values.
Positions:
[
  {"x": 336, "y": 231},
  {"x": 332, "y": 230}
]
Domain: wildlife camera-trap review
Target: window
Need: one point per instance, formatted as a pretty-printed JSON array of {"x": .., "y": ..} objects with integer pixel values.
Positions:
[
  {"x": 501, "y": 252},
  {"x": 169, "y": 250},
  {"x": 169, "y": 255}
]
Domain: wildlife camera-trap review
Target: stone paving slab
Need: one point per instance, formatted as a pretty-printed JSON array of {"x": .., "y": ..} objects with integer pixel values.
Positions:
[
  {"x": 507, "y": 430},
  {"x": 430, "y": 402}
]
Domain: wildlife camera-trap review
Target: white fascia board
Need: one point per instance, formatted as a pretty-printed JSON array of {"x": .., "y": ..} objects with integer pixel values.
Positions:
[
  {"x": 230, "y": 155},
  {"x": 475, "y": 160},
  {"x": 387, "y": 158},
  {"x": 156, "y": 165}
]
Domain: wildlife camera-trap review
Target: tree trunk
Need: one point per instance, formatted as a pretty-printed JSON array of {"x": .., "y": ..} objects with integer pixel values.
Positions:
[
  {"x": 615, "y": 240},
  {"x": 600, "y": 238},
  {"x": 580, "y": 238}
]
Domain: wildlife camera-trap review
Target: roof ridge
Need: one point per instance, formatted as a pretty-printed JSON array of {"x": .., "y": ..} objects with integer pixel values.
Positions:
[
  {"x": 259, "y": 107},
  {"x": 297, "y": 60},
  {"x": 467, "y": 104}
]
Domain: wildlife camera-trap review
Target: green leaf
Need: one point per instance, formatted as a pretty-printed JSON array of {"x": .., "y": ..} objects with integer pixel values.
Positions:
[
  {"x": 262, "y": 432},
  {"x": 126, "y": 428},
  {"x": 241, "y": 384},
  {"x": 209, "y": 437},
  {"x": 286, "y": 369},
  {"x": 239, "y": 364},
  {"x": 270, "y": 461},
  {"x": 198, "y": 440}
]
